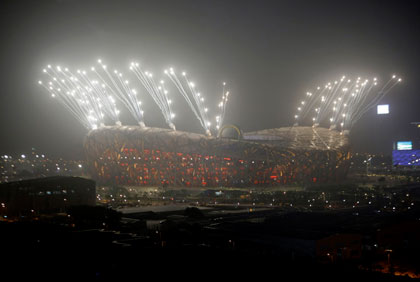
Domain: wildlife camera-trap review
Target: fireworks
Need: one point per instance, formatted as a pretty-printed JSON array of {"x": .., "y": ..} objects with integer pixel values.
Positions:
[
  {"x": 91, "y": 96},
  {"x": 193, "y": 98},
  {"x": 75, "y": 94},
  {"x": 343, "y": 102},
  {"x": 157, "y": 91},
  {"x": 222, "y": 107},
  {"x": 94, "y": 97}
]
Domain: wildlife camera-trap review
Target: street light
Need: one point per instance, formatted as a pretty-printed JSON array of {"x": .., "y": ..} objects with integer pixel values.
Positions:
[{"x": 388, "y": 252}]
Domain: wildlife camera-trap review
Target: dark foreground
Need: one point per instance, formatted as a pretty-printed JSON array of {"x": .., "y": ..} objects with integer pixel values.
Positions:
[{"x": 97, "y": 244}]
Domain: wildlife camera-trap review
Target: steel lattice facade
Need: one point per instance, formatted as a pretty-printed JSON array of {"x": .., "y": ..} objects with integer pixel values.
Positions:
[{"x": 131, "y": 155}]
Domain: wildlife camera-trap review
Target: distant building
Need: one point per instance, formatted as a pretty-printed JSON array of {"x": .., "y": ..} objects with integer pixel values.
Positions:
[
  {"x": 339, "y": 247},
  {"x": 399, "y": 236},
  {"x": 36, "y": 165},
  {"x": 44, "y": 195},
  {"x": 406, "y": 155}
]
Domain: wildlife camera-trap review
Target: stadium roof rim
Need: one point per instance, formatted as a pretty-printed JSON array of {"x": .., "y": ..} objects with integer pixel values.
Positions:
[{"x": 295, "y": 137}]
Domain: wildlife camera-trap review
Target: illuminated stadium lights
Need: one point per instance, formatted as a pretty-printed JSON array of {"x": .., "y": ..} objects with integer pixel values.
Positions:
[{"x": 132, "y": 155}]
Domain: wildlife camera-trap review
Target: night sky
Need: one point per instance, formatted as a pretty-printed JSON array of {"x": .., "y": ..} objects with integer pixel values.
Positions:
[{"x": 269, "y": 52}]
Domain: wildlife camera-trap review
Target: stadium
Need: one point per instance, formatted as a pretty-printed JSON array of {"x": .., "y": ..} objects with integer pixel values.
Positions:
[
  {"x": 150, "y": 156},
  {"x": 146, "y": 156}
]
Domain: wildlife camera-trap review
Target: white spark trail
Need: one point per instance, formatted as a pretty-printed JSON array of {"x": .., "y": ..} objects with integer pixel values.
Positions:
[{"x": 344, "y": 102}]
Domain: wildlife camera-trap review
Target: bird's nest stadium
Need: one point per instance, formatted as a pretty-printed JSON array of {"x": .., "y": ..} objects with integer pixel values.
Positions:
[{"x": 147, "y": 156}]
